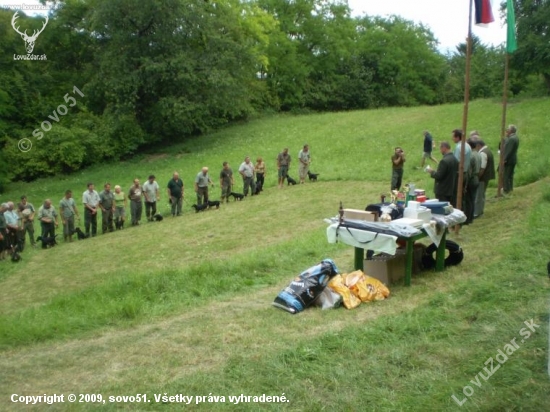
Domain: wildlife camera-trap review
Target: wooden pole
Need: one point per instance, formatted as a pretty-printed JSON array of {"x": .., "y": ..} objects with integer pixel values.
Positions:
[{"x": 503, "y": 127}]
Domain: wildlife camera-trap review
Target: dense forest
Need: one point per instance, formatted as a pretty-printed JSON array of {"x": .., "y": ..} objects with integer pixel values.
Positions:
[{"x": 112, "y": 77}]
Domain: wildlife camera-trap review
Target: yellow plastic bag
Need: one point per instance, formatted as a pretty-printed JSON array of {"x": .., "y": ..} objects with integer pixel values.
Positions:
[
  {"x": 350, "y": 300},
  {"x": 366, "y": 288}
]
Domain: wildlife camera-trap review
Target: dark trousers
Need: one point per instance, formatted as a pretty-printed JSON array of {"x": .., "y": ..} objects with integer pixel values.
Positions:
[
  {"x": 396, "y": 179},
  {"x": 202, "y": 195},
  {"x": 470, "y": 198},
  {"x": 135, "y": 211},
  {"x": 48, "y": 229},
  {"x": 107, "y": 221},
  {"x": 90, "y": 220},
  {"x": 508, "y": 184},
  {"x": 150, "y": 210},
  {"x": 176, "y": 205},
  {"x": 249, "y": 182},
  {"x": 260, "y": 179}
]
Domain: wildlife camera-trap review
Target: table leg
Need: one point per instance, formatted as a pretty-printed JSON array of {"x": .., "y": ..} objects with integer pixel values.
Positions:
[
  {"x": 440, "y": 254},
  {"x": 409, "y": 262},
  {"x": 359, "y": 257}
]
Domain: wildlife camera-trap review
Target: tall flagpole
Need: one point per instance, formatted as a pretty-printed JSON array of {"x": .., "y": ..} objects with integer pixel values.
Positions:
[
  {"x": 465, "y": 113},
  {"x": 503, "y": 127}
]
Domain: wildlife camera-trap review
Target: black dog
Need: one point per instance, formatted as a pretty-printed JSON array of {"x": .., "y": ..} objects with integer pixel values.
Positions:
[
  {"x": 312, "y": 176},
  {"x": 259, "y": 188},
  {"x": 158, "y": 217},
  {"x": 80, "y": 234},
  {"x": 213, "y": 203},
  {"x": 290, "y": 181},
  {"x": 15, "y": 256},
  {"x": 548, "y": 267},
  {"x": 199, "y": 208},
  {"x": 119, "y": 224},
  {"x": 47, "y": 242},
  {"x": 237, "y": 196}
]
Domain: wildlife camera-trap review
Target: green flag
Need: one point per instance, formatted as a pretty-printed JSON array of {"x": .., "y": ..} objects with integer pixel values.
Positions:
[{"x": 511, "y": 43}]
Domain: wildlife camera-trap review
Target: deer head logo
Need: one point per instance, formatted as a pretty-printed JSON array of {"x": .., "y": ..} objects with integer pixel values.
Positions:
[{"x": 29, "y": 40}]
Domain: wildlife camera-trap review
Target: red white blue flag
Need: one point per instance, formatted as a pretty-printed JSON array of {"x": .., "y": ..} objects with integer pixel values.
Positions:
[{"x": 484, "y": 12}]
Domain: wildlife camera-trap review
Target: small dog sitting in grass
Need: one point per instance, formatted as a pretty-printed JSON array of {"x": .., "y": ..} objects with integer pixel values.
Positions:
[
  {"x": 237, "y": 196},
  {"x": 290, "y": 181},
  {"x": 213, "y": 203},
  {"x": 80, "y": 234},
  {"x": 259, "y": 188},
  {"x": 47, "y": 242},
  {"x": 15, "y": 255},
  {"x": 200, "y": 208},
  {"x": 312, "y": 176},
  {"x": 158, "y": 218}
]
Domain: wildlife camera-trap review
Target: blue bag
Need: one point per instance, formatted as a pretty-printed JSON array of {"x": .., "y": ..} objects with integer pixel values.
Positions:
[{"x": 303, "y": 290}]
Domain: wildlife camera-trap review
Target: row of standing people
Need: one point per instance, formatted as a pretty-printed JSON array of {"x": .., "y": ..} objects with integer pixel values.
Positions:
[{"x": 18, "y": 222}]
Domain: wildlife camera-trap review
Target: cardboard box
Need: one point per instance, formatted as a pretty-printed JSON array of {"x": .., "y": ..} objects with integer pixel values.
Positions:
[
  {"x": 390, "y": 269},
  {"x": 360, "y": 215},
  {"x": 387, "y": 269}
]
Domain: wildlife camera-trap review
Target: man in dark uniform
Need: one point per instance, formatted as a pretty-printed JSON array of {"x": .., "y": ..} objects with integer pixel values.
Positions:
[
  {"x": 511, "y": 145},
  {"x": 445, "y": 176}
]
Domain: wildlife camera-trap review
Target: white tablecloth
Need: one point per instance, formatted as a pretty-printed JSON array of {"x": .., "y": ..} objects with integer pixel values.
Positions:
[{"x": 378, "y": 242}]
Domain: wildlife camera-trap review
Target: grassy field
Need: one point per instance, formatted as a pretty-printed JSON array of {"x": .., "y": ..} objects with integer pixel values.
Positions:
[{"x": 184, "y": 306}]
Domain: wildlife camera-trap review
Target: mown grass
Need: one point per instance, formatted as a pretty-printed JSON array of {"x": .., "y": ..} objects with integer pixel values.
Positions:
[{"x": 183, "y": 306}]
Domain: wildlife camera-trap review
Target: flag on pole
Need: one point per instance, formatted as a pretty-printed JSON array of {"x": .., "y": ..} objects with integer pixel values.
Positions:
[
  {"x": 511, "y": 43},
  {"x": 484, "y": 12}
]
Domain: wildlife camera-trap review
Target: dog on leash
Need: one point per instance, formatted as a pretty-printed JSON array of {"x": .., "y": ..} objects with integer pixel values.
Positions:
[
  {"x": 213, "y": 203},
  {"x": 47, "y": 242},
  {"x": 312, "y": 176},
  {"x": 200, "y": 208},
  {"x": 290, "y": 181},
  {"x": 237, "y": 196}
]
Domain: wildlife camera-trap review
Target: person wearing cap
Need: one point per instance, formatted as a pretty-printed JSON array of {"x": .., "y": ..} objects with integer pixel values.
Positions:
[
  {"x": 304, "y": 157},
  {"x": 511, "y": 145},
  {"x": 201, "y": 186},
  {"x": 48, "y": 219},
  {"x": 67, "y": 208},
  {"x": 90, "y": 199},
  {"x": 27, "y": 212},
  {"x": 120, "y": 207},
  {"x": 151, "y": 194},
  {"x": 107, "y": 205},
  {"x": 246, "y": 170},
  {"x": 3, "y": 231}
]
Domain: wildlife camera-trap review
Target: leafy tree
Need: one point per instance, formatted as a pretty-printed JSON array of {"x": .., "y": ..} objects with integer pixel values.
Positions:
[
  {"x": 406, "y": 67},
  {"x": 533, "y": 38}
]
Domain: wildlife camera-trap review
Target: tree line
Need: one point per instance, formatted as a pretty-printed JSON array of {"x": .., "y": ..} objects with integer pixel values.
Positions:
[{"x": 163, "y": 70}]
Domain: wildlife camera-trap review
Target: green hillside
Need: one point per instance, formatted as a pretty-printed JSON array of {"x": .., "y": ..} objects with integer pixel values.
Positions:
[{"x": 183, "y": 306}]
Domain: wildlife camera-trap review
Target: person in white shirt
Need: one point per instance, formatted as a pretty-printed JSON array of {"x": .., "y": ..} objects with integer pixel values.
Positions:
[{"x": 152, "y": 195}]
